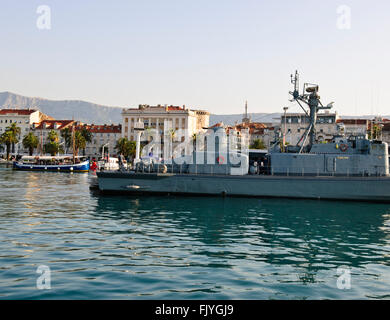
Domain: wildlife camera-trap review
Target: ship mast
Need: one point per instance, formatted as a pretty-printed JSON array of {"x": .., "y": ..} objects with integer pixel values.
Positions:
[
  {"x": 73, "y": 143},
  {"x": 311, "y": 98}
]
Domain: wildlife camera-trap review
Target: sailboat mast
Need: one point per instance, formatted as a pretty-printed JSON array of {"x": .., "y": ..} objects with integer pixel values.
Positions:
[
  {"x": 42, "y": 138},
  {"x": 73, "y": 143}
]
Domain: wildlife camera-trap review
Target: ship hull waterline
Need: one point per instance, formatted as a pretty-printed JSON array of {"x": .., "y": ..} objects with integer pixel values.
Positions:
[
  {"x": 375, "y": 189},
  {"x": 78, "y": 167}
]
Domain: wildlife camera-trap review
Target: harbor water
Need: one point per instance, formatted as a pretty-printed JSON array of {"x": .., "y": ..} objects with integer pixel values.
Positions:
[{"x": 165, "y": 247}]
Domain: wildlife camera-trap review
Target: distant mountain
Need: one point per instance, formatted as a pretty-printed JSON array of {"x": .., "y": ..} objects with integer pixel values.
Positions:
[
  {"x": 88, "y": 112},
  {"x": 62, "y": 110}
]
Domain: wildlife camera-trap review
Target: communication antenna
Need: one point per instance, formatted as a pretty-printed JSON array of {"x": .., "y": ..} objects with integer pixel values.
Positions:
[{"x": 311, "y": 99}]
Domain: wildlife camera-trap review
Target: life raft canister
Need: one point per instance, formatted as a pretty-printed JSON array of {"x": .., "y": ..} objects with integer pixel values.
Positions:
[
  {"x": 343, "y": 147},
  {"x": 220, "y": 160}
]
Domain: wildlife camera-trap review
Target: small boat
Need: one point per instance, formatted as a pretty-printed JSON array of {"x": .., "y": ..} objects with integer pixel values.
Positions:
[
  {"x": 108, "y": 164},
  {"x": 52, "y": 163}
]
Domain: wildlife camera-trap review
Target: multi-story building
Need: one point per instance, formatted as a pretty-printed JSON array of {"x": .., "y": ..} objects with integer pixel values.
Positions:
[
  {"x": 102, "y": 135},
  {"x": 41, "y": 130},
  {"x": 257, "y": 131},
  {"x": 293, "y": 125},
  {"x": 24, "y": 119},
  {"x": 354, "y": 126},
  {"x": 164, "y": 118}
]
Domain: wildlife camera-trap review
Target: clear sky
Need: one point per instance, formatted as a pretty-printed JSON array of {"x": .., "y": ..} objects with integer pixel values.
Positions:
[{"x": 211, "y": 54}]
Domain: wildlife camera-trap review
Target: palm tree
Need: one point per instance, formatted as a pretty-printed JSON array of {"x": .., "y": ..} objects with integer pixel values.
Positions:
[
  {"x": 67, "y": 135},
  {"x": 125, "y": 147},
  {"x": 258, "y": 144},
  {"x": 88, "y": 135},
  {"x": 79, "y": 142},
  {"x": 53, "y": 147},
  {"x": 8, "y": 138},
  {"x": 30, "y": 142},
  {"x": 53, "y": 136},
  {"x": 15, "y": 132}
]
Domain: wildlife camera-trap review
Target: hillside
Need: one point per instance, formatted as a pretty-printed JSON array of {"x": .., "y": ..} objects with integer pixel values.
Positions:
[
  {"x": 88, "y": 112},
  {"x": 66, "y": 109}
]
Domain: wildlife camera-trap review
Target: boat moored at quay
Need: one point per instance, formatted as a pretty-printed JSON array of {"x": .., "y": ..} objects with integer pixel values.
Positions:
[
  {"x": 52, "y": 163},
  {"x": 345, "y": 168}
]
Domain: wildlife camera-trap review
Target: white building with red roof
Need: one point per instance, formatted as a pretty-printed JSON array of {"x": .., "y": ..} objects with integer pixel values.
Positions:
[
  {"x": 24, "y": 118},
  {"x": 105, "y": 135},
  {"x": 164, "y": 118}
]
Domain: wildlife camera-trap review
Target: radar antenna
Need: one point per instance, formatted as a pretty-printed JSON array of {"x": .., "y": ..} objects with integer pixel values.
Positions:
[{"x": 310, "y": 98}]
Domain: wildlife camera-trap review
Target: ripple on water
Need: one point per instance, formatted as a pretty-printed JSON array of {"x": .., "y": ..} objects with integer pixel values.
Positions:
[{"x": 184, "y": 248}]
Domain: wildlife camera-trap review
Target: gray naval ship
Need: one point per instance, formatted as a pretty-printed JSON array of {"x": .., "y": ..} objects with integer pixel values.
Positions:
[{"x": 347, "y": 168}]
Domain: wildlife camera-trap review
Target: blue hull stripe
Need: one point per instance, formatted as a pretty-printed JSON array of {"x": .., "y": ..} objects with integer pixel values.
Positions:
[{"x": 80, "y": 167}]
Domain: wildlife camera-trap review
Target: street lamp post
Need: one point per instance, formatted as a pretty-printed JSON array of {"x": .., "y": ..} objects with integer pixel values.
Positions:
[
  {"x": 103, "y": 149},
  {"x": 139, "y": 128}
]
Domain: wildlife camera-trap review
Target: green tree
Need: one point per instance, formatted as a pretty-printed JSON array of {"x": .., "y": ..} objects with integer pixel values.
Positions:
[
  {"x": 88, "y": 136},
  {"x": 15, "y": 130},
  {"x": 53, "y": 147},
  {"x": 53, "y": 136},
  {"x": 30, "y": 142},
  {"x": 126, "y": 148},
  {"x": 257, "y": 144},
  {"x": 8, "y": 138},
  {"x": 79, "y": 142},
  {"x": 375, "y": 132},
  {"x": 66, "y": 134}
]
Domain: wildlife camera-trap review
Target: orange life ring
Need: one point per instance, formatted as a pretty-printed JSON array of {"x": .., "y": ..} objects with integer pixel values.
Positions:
[
  {"x": 220, "y": 160},
  {"x": 343, "y": 147}
]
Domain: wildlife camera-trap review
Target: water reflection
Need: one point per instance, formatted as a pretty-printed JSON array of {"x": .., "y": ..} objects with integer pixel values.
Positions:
[
  {"x": 184, "y": 247},
  {"x": 307, "y": 235}
]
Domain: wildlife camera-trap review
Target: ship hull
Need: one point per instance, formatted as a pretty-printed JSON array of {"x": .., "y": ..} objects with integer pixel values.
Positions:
[
  {"x": 78, "y": 167},
  {"x": 335, "y": 188}
]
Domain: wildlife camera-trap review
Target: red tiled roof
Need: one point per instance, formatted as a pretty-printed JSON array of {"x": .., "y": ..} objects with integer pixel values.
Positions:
[
  {"x": 353, "y": 121},
  {"x": 21, "y": 112},
  {"x": 218, "y": 125},
  {"x": 101, "y": 128},
  {"x": 50, "y": 124}
]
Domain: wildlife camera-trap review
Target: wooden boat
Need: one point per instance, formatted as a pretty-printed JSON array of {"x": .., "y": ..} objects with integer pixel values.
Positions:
[{"x": 52, "y": 163}]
